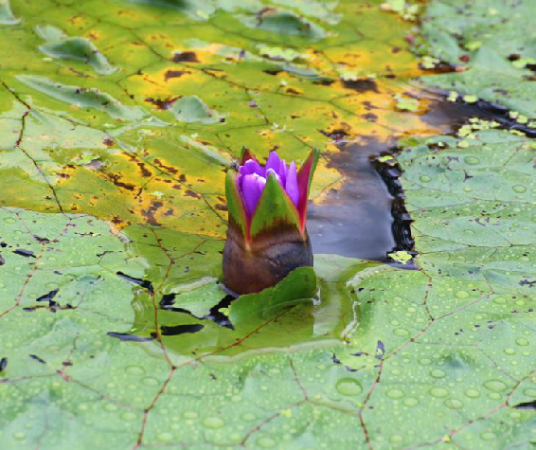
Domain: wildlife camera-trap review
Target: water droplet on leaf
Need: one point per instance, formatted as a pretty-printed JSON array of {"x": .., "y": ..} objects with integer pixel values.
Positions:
[
  {"x": 495, "y": 385},
  {"x": 439, "y": 392},
  {"x": 349, "y": 387},
  {"x": 213, "y": 422}
]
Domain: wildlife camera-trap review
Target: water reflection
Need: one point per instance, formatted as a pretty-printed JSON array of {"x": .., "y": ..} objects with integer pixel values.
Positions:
[
  {"x": 270, "y": 322},
  {"x": 356, "y": 220}
]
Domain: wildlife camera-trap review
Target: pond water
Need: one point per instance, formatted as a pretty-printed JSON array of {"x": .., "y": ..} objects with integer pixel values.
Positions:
[{"x": 356, "y": 220}]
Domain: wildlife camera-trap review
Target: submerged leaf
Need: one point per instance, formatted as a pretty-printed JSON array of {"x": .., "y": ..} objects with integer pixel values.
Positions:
[
  {"x": 78, "y": 49},
  {"x": 6, "y": 16},
  {"x": 285, "y": 22},
  {"x": 193, "y": 109},
  {"x": 87, "y": 98}
]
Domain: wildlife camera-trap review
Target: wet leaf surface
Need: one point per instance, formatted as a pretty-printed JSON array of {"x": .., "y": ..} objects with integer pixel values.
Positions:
[
  {"x": 117, "y": 125},
  {"x": 141, "y": 130},
  {"x": 484, "y": 42}
]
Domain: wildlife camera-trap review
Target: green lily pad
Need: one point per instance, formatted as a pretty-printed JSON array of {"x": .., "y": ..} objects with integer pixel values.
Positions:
[
  {"x": 406, "y": 104},
  {"x": 114, "y": 330},
  {"x": 495, "y": 69}
]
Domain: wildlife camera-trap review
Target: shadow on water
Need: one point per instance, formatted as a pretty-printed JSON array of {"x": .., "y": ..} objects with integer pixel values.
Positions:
[{"x": 365, "y": 218}]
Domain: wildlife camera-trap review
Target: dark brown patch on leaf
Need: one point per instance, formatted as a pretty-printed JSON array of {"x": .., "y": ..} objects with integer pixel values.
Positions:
[
  {"x": 180, "y": 329},
  {"x": 162, "y": 166},
  {"x": 324, "y": 82},
  {"x": 117, "y": 220},
  {"x": 25, "y": 253},
  {"x": 140, "y": 282},
  {"x": 116, "y": 179},
  {"x": 144, "y": 171},
  {"x": 162, "y": 103},
  {"x": 273, "y": 72},
  {"x": 191, "y": 193},
  {"x": 337, "y": 135},
  {"x": 361, "y": 86},
  {"x": 292, "y": 91},
  {"x": 41, "y": 240},
  {"x": 185, "y": 57},
  {"x": 129, "y": 337},
  {"x": 174, "y": 74},
  {"x": 370, "y": 117},
  {"x": 48, "y": 296},
  {"x": 149, "y": 213}
]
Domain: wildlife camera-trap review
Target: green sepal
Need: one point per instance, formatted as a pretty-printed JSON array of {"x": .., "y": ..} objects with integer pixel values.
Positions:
[
  {"x": 234, "y": 202},
  {"x": 275, "y": 209}
]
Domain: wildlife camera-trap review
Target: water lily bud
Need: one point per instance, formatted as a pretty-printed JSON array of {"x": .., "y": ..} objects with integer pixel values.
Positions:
[{"x": 267, "y": 235}]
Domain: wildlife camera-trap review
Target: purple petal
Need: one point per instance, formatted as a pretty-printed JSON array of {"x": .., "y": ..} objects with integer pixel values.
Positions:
[
  {"x": 251, "y": 166},
  {"x": 252, "y": 187},
  {"x": 274, "y": 163},
  {"x": 283, "y": 172},
  {"x": 291, "y": 185}
]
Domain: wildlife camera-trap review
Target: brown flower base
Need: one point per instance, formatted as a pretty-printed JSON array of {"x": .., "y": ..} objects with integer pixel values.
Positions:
[{"x": 270, "y": 258}]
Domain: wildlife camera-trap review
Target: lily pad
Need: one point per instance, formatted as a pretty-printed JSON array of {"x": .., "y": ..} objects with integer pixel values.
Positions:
[
  {"x": 491, "y": 69},
  {"x": 115, "y": 331}
]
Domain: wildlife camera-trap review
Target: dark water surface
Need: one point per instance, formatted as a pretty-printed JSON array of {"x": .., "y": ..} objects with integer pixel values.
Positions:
[{"x": 356, "y": 220}]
